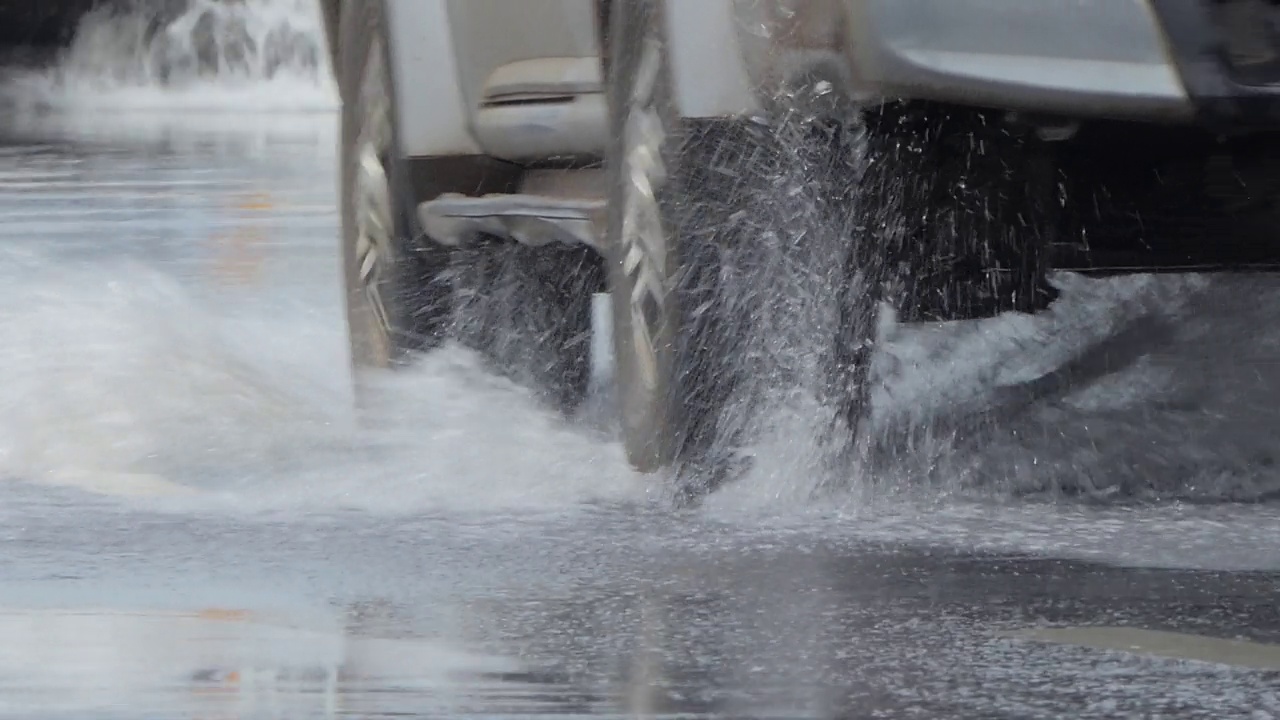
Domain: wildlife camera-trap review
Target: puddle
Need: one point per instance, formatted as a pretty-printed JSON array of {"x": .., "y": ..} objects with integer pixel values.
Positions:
[{"x": 1163, "y": 644}]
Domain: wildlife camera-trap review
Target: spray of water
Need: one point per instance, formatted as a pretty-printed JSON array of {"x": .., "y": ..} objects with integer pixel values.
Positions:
[
  {"x": 221, "y": 55},
  {"x": 124, "y": 381},
  {"x": 992, "y": 407},
  {"x": 785, "y": 288},
  {"x": 782, "y": 289}
]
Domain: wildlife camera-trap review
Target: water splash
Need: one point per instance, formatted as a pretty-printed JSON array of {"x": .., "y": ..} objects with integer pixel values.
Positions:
[
  {"x": 1003, "y": 406},
  {"x": 238, "y": 56},
  {"x": 241, "y": 55}
]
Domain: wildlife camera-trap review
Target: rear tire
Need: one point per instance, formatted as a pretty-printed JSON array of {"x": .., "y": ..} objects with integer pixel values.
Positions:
[
  {"x": 397, "y": 293},
  {"x": 528, "y": 310}
]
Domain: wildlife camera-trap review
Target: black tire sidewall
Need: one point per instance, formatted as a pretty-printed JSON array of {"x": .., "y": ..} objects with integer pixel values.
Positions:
[
  {"x": 415, "y": 324},
  {"x": 675, "y": 423},
  {"x": 646, "y": 419}
]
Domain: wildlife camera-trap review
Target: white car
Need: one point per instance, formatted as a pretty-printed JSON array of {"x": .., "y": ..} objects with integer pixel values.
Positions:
[{"x": 933, "y": 156}]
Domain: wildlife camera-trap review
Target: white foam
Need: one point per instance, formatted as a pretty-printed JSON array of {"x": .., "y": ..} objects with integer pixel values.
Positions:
[{"x": 119, "y": 382}]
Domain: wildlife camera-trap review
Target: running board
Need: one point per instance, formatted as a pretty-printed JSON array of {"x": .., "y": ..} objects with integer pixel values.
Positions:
[{"x": 535, "y": 220}]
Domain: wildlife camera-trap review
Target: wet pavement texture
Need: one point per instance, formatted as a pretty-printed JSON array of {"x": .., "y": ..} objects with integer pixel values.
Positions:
[
  {"x": 192, "y": 524},
  {"x": 440, "y": 618}
]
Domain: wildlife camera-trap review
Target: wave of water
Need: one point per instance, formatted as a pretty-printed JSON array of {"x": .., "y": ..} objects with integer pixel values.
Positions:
[
  {"x": 145, "y": 354},
  {"x": 141, "y": 366},
  {"x": 244, "y": 56}
]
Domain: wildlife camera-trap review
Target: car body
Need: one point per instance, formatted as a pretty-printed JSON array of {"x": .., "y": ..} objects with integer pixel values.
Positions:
[
  {"x": 1150, "y": 60},
  {"x": 594, "y": 123}
]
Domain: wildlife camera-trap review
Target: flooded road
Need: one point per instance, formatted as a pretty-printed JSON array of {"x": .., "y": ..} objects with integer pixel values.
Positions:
[{"x": 193, "y": 524}]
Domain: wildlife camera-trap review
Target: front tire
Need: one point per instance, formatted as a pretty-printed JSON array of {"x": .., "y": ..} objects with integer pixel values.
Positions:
[
  {"x": 941, "y": 218},
  {"x": 668, "y": 211},
  {"x": 946, "y": 216}
]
